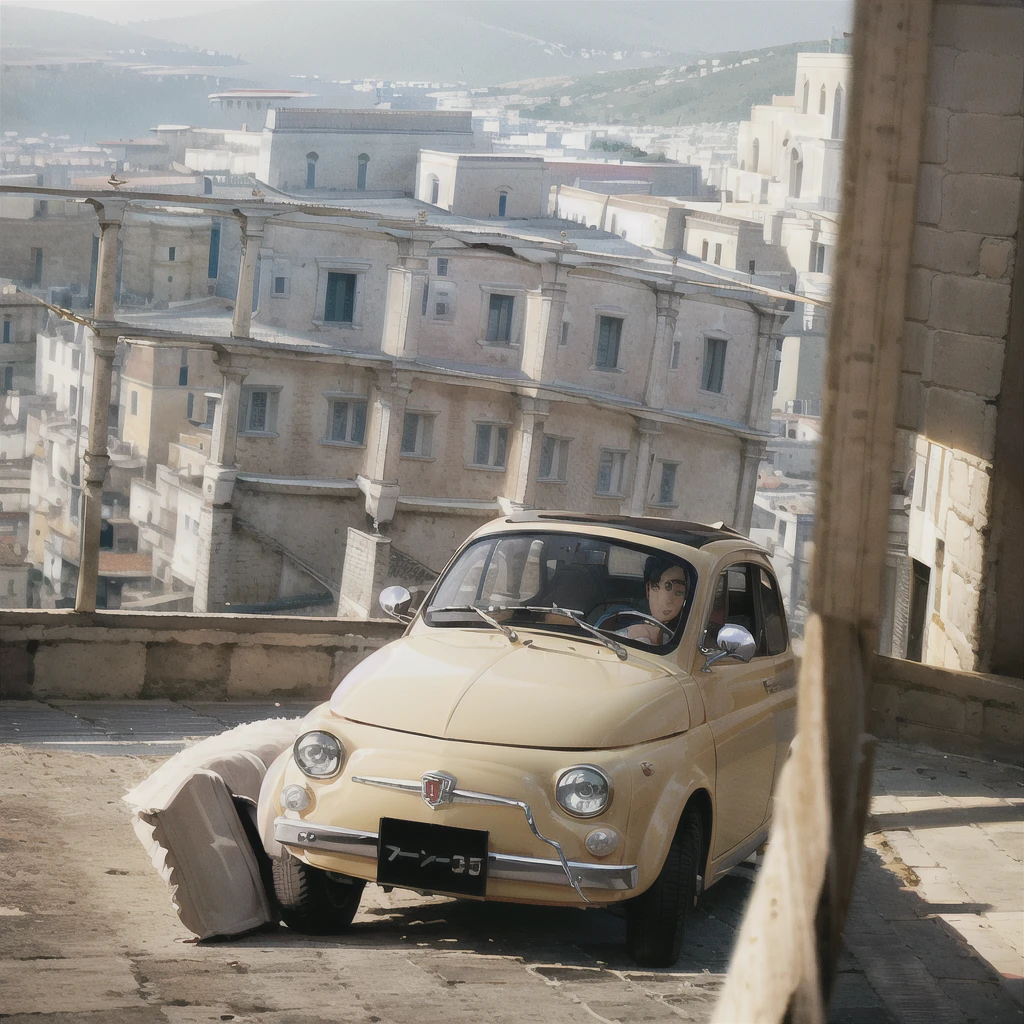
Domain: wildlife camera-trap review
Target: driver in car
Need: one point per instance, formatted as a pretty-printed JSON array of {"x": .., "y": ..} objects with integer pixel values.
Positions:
[{"x": 666, "y": 586}]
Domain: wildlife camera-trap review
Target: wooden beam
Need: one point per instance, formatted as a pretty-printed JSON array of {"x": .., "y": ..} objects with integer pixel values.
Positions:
[{"x": 790, "y": 939}]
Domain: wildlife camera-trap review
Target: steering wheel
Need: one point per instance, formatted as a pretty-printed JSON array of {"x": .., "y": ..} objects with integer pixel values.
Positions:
[{"x": 632, "y": 613}]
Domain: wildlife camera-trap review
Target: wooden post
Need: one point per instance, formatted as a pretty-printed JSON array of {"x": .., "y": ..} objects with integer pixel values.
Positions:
[
  {"x": 96, "y": 457},
  {"x": 790, "y": 939}
]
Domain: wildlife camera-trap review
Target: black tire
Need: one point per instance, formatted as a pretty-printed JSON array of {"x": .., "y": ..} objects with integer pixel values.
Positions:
[
  {"x": 312, "y": 901},
  {"x": 656, "y": 920}
]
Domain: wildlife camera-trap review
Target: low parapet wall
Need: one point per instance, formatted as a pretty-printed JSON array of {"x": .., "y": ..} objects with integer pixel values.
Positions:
[
  {"x": 956, "y": 712},
  {"x": 128, "y": 655}
]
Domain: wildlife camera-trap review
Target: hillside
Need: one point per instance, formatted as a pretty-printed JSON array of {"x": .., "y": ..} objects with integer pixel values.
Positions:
[{"x": 667, "y": 96}]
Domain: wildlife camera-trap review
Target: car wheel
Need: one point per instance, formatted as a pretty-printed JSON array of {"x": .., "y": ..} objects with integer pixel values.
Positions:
[
  {"x": 312, "y": 901},
  {"x": 656, "y": 919}
]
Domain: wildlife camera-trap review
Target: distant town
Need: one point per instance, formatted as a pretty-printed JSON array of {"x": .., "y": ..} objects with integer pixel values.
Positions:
[{"x": 359, "y": 318}]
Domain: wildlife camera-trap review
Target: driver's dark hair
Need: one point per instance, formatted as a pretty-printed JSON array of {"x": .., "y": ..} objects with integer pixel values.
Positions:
[{"x": 656, "y": 566}]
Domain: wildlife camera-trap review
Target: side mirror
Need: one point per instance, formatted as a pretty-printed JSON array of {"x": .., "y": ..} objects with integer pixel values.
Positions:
[
  {"x": 733, "y": 642},
  {"x": 395, "y": 603}
]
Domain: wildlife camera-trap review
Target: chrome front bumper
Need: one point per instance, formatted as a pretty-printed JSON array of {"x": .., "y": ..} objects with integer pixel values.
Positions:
[{"x": 309, "y": 836}]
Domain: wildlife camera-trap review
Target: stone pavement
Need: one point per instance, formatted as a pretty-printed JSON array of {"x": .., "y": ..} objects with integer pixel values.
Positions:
[{"x": 87, "y": 933}]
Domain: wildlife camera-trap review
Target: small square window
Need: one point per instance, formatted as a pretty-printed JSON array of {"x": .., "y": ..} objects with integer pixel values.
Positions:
[
  {"x": 347, "y": 423},
  {"x": 417, "y": 434},
  {"x": 554, "y": 458},
  {"x": 499, "y": 319},
  {"x": 610, "y": 472},
  {"x": 257, "y": 412},
  {"x": 442, "y": 266},
  {"x": 491, "y": 446},
  {"x": 609, "y": 334},
  {"x": 714, "y": 364}
]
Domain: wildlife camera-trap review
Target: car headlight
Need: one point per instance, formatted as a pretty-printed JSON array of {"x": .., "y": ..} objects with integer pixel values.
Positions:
[
  {"x": 319, "y": 754},
  {"x": 583, "y": 790}
]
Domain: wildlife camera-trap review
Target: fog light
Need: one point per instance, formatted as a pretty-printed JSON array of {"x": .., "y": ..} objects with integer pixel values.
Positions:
[
  {"x": 602, "y": 841},
  {"x": 295, "y": 798}
]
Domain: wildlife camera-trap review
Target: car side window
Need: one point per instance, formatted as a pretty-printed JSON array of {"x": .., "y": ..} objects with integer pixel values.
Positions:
[
  {"x": 774, "y": 617},
  {"x": 735, "y": 604}
]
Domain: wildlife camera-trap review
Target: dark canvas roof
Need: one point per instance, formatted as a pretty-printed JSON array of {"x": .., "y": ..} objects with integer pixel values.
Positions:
[{"x": 694, "y": 535}]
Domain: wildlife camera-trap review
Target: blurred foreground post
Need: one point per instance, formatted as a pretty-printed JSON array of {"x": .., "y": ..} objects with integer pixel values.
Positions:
[{"x": 789, "y": 943}]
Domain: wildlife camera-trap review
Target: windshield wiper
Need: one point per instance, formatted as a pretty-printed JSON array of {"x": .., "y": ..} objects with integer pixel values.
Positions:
[
  {"x": 576, "y": 617},
  {"x": 511, "y": 635}
]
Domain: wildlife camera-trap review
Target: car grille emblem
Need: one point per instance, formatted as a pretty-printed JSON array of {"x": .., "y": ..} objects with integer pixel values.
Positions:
[{"x": 437, "y": 788}]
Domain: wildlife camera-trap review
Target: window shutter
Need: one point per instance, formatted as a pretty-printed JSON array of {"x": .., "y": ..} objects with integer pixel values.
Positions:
[
  {"x": 358, "y": 422},
  {"x": 410, "y": 427},
  {"x": 349, "y": 301},
  {"x": 330, "y": 309},
  {"x": 483, "y": 444},
  {"x": 339, "y": 420}
]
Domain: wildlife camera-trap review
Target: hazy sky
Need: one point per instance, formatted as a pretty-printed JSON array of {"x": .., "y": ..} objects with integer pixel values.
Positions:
[{"x": 123, "y": 11}]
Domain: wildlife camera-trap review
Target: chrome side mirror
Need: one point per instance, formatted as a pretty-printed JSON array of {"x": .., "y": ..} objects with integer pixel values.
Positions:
[
  {"x": 733, "y": 642},
  {"x": 395, "y": 603}
]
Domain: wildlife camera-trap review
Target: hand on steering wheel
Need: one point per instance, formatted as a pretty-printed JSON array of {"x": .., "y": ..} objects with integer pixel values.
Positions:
[{"x": 632, "y": 613}]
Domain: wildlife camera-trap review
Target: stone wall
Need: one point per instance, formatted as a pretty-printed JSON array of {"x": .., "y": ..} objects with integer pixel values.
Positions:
[
  {"x": 124, "y": 656},
  {"x": 957, "y": 392},
  {"x": 958, "y": 712}
]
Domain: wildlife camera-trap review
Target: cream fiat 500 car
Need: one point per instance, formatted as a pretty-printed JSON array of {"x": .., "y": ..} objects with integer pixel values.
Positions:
[{"x": 584, "y": 710}]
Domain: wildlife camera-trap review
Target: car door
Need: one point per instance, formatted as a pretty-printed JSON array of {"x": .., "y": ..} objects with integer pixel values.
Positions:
[
  {"x": 740, "y": 710},
  {"x": 782, "y": 688}
]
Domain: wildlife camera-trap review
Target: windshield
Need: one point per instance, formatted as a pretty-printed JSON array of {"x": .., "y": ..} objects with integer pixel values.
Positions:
[{"x": 630, "y": 592}]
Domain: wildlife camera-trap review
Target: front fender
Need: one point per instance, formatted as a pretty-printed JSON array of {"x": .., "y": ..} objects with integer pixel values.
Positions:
[{"x": 679, "y": 767}]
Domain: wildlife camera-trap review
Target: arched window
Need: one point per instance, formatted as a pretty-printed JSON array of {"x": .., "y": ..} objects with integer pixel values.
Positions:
[
  {"x": 361, "y": 179},
  {"x": 807, "y": 96},
  {"x": 796, "y": 174},
  {"x": 207, "y": 186},
  {"x": 311, "y": 159},
  {"x": 756, "y": 150},
  {"x": 837, "y": 114},
  {"x": 435, "y": 189},
  {"x": 502, "y": 203},
  {"x": 822, "y": 101}
]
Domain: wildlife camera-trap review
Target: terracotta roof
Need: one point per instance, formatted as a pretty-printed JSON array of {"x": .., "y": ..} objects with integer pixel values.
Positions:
[{"x": 125, "y": 563}]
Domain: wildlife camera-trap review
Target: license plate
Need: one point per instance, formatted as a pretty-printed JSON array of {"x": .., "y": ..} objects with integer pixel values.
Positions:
[{"x": 435, "y": 858}]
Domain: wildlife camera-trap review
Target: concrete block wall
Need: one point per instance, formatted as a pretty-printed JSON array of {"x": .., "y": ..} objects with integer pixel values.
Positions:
[
  {"x": 124, "y": 656},
  {"x": 957, "y": 712},
  {"x": 957, "y": 336}
]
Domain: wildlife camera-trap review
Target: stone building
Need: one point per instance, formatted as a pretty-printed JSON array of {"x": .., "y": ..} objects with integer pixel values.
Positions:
[
  {"x": 953, "y": 594},
  {"x": 21, "y": 317},
  {"x": 482, "y": 184},
  {"x": 375, "y": 150}
]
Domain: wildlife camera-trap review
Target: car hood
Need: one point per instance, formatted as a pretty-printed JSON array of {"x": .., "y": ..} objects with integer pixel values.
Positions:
[{"x": 474, "y": 685}]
